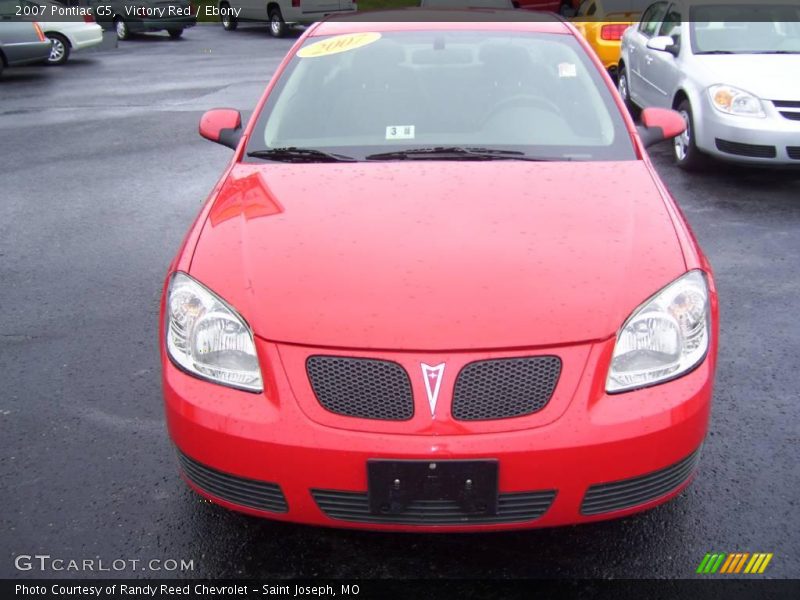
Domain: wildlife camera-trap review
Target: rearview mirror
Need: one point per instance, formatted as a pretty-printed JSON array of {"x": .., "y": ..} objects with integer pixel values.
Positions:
[
  {"x": 663, "y": 43},
  {"x": 223, "y": 126},
  {"x": 659, "y": 124}
]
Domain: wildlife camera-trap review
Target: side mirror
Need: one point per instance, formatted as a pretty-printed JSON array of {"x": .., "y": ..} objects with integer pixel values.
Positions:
[
  {"x": 223, "y": 126},
  {"x": 663, "y": 43},
  {"x": 659, "y": 124}
]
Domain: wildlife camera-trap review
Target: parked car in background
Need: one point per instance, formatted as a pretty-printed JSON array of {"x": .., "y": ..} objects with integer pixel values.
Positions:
[
  {"x": 602, "y": 23},
  {"x": 280, "y": 14},
  {"x": 730, "y": 69},
  {"x": 21, "y": 42},
  {"x": 66, "y": 34},
  {"x": 128, "y": 17}
]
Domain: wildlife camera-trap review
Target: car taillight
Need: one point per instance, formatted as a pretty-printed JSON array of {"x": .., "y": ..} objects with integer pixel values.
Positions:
[
  {"x": 296, "y": 3},
  {"x": 613, "y": 32},
  {"x": 39, "y": 32},
  {"x": 88, "y": 18}
]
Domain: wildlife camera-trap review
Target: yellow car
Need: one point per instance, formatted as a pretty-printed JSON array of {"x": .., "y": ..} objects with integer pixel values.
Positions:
[{"x": 602, "y": 22}]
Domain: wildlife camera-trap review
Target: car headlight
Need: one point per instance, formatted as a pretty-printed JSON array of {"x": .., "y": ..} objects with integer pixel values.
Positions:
[
  {"x": 664, "y": 338},
  {"x": 208, "y": 338},
  {"x": 734, "y": 101}
]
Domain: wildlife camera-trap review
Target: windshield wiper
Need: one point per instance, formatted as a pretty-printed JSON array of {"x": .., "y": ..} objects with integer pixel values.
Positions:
[
  {"x": 456, "y": 153},
  {"x": 716, "y": 52},
  {"x": 295, "y": 154},
  {"x": 777, "y": 52}
]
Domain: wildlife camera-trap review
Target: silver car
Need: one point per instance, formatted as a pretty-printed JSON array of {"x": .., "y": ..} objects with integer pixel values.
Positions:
[
  {"x": 730, "y": 67},
  {"x": 21, "y": 42}
]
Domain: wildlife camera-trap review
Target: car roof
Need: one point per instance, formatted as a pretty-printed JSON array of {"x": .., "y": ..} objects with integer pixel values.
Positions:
[{"x": 443, "y": 20}]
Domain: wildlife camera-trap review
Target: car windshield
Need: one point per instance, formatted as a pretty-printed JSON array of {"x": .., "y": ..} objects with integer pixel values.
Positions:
[
  {"x": 745, "y": 29},
  {"x": 456, "y": 95}
]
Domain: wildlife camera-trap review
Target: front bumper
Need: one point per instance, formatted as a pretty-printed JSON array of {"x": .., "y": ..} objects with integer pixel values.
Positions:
[
  {"x": 773, "y": 140},
  {"x": 272, "y": 455}
]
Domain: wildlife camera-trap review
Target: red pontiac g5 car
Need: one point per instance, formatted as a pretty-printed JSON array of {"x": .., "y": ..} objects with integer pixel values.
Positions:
[{"x": 441, "y": 287}]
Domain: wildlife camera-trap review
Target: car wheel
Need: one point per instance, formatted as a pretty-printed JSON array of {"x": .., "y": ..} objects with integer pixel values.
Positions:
[
  {"x": 175, "y": 34},
  {"x": 277, "y": 26},
  {"x": 229, "y": 21},
  {"x": 625, "y": 91},
  {"x": 121, "y": 27},
  {"x": 687, "y": 155},
  {"x": 59, "y": 49}
]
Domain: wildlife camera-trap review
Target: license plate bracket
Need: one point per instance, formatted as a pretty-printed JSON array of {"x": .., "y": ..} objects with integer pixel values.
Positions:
[{"x": 394, "y": 484}]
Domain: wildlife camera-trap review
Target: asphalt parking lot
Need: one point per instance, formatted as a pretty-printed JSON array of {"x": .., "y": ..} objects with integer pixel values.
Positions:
[{"x": 101, "y": 173}]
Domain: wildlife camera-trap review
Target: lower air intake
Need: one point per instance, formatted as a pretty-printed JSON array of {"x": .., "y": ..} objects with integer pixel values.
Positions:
[
  {"x": 608, "y": 497},
  {"x": 518, "y": 507},
  {"x": 750, "y": 150},
  {"x": 251, "y": 493}
]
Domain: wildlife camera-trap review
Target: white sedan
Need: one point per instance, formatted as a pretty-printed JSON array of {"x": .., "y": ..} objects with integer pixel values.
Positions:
[
  {"x": 65, "y": 35},
  {"x": 730, "y": 67}
]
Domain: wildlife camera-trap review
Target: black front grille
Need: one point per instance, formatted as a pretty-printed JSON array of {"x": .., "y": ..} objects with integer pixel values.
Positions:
[
  {"x": 608, "y": 497},
  {"x": 231, "y": 488},
  {"x": 750, "y": 150},
  {"x": 516, "y": 507},
  {"x": 504, "y": 388},
  {"x": 793, "y": 115},
  {"x": 793, "y": 152},
  {"x": 360, "y": 387}
]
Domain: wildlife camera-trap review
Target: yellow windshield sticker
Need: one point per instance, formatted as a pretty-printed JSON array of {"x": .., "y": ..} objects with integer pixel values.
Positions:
[{"x": 339, "y": 43}]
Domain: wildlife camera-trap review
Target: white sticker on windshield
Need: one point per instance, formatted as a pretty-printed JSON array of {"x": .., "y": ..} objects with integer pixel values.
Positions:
[
  {"x": 400, "y": 132},
  {"x": 567, "y": 70}
]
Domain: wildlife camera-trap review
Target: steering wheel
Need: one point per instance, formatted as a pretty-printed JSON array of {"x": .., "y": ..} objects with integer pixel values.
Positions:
[{"x": 518, "y": 100}]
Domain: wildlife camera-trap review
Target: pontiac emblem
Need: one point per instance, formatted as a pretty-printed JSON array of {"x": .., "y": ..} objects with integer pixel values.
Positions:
[{"x": 433, "y": 383}]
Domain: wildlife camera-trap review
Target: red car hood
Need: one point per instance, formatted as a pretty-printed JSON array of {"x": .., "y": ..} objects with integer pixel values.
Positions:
[{"x": 437, "y": 255}]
